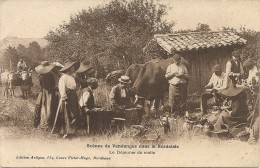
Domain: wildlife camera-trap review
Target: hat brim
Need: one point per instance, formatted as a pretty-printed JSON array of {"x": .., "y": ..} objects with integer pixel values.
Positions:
[
  {"x": 69, "y": 65},
  {"x": 120, "y": 80},
  {"x": 44, "y": 69},
  {"x": 232, "y": 91},
  {"x": 84, "y": 68}
]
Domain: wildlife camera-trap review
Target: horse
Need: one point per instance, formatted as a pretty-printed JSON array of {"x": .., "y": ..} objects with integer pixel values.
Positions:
[{"x": 26, "y": 84}]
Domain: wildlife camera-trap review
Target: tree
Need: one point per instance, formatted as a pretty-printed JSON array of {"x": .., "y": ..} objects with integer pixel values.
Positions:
[
  {"x": 202, "y": 27},
  {"x": 10, "y": 58},
  {"x": 21, "y": 51},
  {"x": 34, "y": 51},
  {"x": 116, "y": 32},
  {"x": 249, "y": 50}
]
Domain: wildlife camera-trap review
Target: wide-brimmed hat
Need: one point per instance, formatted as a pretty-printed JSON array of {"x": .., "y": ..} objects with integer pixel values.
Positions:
[
  {"x": 231, "y": 90},
  {"x": 216, "y": 68},
  {"x": 84, "y": 67},
  {"x": 249, "y": 63},
  {"x": 57, "y": 64},
  {"x": 124, "y": 79},
  {"x": 68, "y": 64},
  {"x": 44, "y": 67}
]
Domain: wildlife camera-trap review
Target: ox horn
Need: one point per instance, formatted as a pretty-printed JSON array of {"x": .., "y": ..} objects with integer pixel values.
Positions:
[{"x": 137, "y": 98}]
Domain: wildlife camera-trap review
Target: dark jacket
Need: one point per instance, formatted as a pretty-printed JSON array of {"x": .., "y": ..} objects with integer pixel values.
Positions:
[
  {"x": 47, "y": 81},
  {"x": 116, "y": 97},
  {"x": 235, "y": 68}
]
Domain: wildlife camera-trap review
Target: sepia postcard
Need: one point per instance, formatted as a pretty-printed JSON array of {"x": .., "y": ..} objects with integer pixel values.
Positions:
[{"x": 129, "y": 83}]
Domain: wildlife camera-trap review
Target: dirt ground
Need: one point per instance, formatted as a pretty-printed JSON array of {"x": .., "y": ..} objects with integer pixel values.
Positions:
[{"x": 19, "y": 139}]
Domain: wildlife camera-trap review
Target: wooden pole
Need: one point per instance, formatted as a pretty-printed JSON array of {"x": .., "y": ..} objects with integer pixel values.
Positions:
[{"x": 11, "y": 64}]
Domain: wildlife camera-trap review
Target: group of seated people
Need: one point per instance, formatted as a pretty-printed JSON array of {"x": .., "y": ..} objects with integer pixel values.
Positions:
[{"x": 234, "y": 86}]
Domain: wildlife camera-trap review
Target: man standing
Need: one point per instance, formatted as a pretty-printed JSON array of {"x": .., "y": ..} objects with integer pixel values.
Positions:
[
  {"x": 21, "y": 65},
  {"x": 217, "y": 81},
  {"x": 234, "y": 68},
  {"x": 177, "y": 76}
]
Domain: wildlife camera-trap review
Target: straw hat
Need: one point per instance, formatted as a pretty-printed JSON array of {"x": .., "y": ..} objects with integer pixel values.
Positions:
[
  {"x": 68, "y": 64},
  {"x": 84, "y": 67},
  {"x": 44, "y": 67},
  {"x": 231, "y": 90},
  {"x": 124, "y": 79}
]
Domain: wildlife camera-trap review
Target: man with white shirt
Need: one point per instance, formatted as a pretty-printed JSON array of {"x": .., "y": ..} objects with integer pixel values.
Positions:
[
  {"x": 21, "y": 65},
  {"x": 253, "y": 74},
  {"x": 234, "y": 68},
  {"x": 86, "y": 97},
  {"x": 177, "y": 76},
  {"x": 217, "y": 81}
]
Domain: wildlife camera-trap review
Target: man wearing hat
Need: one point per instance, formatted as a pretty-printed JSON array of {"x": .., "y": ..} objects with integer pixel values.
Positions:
[
  {"x": 68, "y": 112},
  {"x": 234, "y": 68},
  {"x": 217, "y": 81},
  {"x": 177, "y": 76},
  {"x": 119, "y": 96},
  {"x": 21, "y": 65},
  {"x": 47, "y": 101}
]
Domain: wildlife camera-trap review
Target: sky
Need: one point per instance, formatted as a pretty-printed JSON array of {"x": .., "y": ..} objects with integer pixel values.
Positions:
[{"x": 35, "y": 18}]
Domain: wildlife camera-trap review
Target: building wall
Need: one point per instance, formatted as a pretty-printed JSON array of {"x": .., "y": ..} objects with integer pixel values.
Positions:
[{"x": 201, "y": 63}]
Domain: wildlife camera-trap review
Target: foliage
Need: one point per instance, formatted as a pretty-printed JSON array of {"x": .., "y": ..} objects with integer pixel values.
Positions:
[
  {"x": 203, "y": 27},
  {"x": 112, "y": 35},
  {"x": 200, "y": 27},
  {"x": 10, "y": 57},
  {"x": 32, "y": 55}
]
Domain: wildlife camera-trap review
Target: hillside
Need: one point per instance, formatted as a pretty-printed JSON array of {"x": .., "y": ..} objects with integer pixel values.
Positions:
[{"x": 14, "y": 42}]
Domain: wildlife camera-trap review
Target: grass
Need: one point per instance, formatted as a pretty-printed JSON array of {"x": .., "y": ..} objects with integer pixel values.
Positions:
[
  {"x": 196, "y": 149},
  {"x": 16, "y": 121},
  {"x": 20, "y": 114}
]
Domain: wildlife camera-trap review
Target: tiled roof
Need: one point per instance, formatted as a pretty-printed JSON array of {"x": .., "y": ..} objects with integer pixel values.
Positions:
[{"x": 196, "y": 41}]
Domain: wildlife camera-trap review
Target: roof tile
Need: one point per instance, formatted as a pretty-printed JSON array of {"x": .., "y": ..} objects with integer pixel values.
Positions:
[{"x": 197, "y": 40}]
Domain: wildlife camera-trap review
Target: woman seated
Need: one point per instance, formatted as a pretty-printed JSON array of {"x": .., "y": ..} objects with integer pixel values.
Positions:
[{"x": 239, "y": 109}]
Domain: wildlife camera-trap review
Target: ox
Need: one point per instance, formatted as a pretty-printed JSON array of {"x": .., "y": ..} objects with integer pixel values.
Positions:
[
  {"x": 150, "y": 82},
  {"x": 26, "y": 83},
  {"x": 8, "y": 80}
]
